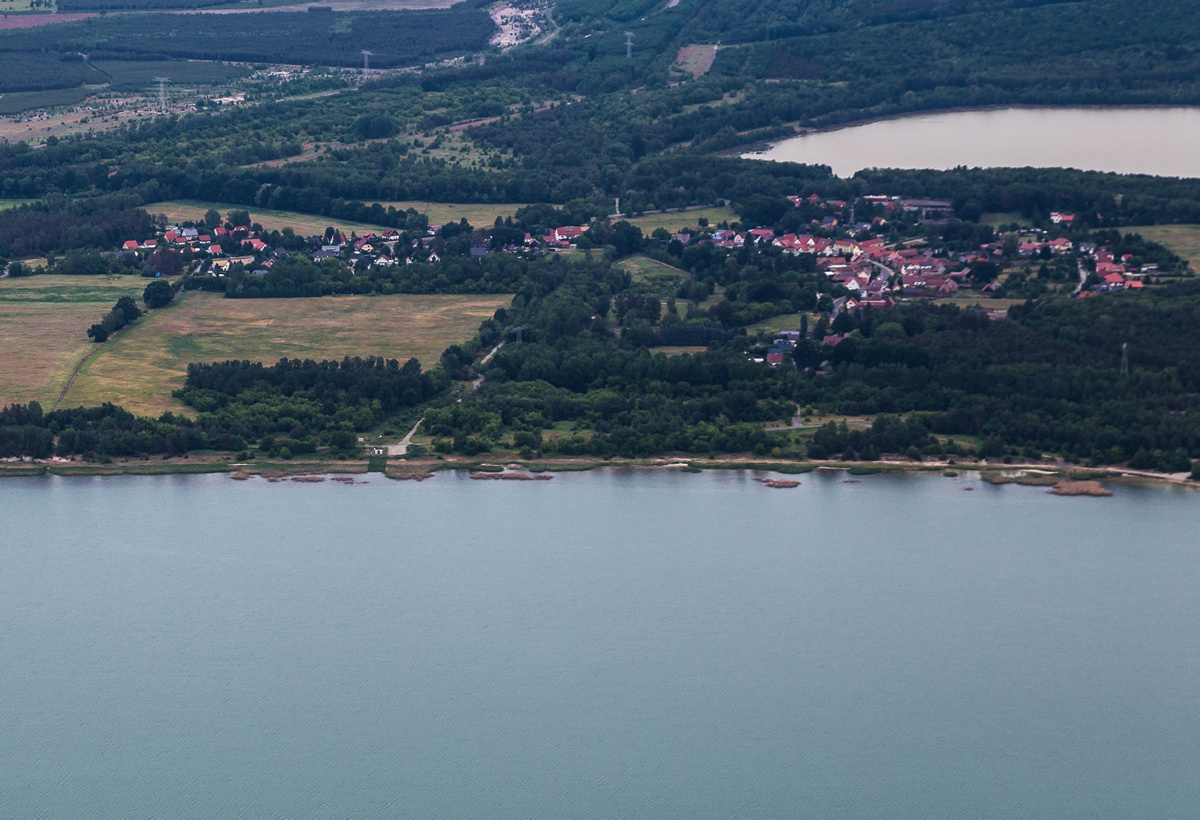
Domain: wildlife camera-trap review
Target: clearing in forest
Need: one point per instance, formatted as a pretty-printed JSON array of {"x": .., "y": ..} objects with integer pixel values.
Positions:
[
  {"x": 1181, "y": 240},
  {"x": 149, "y": 359},
  {"x": 480, "y": 215},
  {"x": 45, "y": 321},
  {"x": 678, "y": 220},
  {"x": 696, "y": 60},
  {"x": 656, "y": 276}
]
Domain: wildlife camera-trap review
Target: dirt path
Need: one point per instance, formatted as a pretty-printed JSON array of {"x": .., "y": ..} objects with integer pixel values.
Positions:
[
  {"x": 90, "y": 355},
  {"x": 402, "y": 448},
  {"x": 477, "y": 382}
]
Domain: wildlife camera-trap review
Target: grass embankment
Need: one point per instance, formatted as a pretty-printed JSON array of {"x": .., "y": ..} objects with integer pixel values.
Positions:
[
  {"x": 150, "y": 358},
  {"x": 45, "y": 321}
]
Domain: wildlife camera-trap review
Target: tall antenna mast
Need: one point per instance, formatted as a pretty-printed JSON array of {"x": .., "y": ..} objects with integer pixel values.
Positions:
[
  {"x": 162, "y": 93},
  {"x": 628, "y": 45},
  {"x": 1125, "y": 361},
  {"x": 366, "y": 61}
]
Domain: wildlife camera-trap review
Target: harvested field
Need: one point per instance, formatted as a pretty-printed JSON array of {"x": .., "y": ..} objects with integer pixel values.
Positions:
[
  {"x": 45, "y": 320},
  {"x": 150, "y": 360}
]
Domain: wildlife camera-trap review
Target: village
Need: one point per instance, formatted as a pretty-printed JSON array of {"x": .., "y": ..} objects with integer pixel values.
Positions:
[{"x": 897, "y": 252}]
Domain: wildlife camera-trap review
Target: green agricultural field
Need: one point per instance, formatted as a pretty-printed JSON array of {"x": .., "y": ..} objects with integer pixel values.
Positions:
[
  {"x": 683, "y": 219},
  {"x": 303, "y": 224},
  {"x": 479, "y": 215},
  {"x": 45, "y": 321},
  {"x": 149, "y": 360},
  {"x": 1182, "y": 240}
]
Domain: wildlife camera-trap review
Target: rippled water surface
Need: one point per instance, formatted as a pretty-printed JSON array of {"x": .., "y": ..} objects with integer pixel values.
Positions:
[{"x": 602, "y": 644}]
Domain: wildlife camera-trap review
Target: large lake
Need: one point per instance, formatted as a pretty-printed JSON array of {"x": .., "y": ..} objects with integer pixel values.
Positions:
[
  {"x": 1159, "y": 141},
  {"x": 604, "y": 644}
]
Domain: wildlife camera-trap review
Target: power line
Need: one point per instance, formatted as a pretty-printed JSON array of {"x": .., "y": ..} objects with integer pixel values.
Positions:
[{"x": 162, "y": 92}]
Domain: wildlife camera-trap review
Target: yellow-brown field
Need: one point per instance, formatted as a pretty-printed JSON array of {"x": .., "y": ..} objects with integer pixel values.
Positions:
[
  {"x": 149, "y": 360},
  {"x": 45, "y": 321}
]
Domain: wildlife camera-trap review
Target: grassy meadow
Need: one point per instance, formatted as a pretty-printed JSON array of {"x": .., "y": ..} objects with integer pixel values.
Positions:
[
  {"x": 658, "y": 277},
  {"x": 1183, "y": 240},
  {"x": 180, "y": 210},
  {"x": 683, "y": 219},
  {"x": 45, "y": 321},
  {"x": 310, "y": 225},
  {"x": 479, "y": 215},
  {"x": 149, "y": 360}
]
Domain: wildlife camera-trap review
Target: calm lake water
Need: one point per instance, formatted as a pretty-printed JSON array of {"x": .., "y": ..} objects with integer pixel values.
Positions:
[
  {"x": 1159, "y": 141},
  {"x": 603, "y": 644}
]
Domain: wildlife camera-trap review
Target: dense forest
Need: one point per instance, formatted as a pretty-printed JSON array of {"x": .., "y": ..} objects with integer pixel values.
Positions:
[{"x": 318, "y": 36}]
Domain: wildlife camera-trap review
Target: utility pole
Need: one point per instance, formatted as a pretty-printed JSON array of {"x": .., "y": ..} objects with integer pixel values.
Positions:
[
  {"x": 628, "y": 45},
  {"x": 1125, "y": 361},
  {"x": 366, "y": 61}
]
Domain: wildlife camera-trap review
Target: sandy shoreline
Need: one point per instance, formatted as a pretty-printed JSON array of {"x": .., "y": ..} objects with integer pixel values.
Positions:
[{"x": 1065, "y": 481}]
